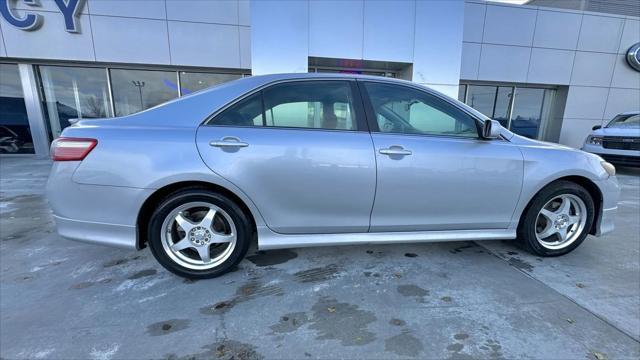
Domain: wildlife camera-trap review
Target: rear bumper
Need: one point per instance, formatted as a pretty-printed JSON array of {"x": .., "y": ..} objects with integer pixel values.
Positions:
[
  {"x": 123, "y": 236},
  {"x": 97, "y": 214}
]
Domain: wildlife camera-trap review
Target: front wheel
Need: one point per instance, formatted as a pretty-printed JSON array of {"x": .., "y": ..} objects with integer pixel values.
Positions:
[
  {"x": 198, "y": 234},
  {"x": 558, "y": 219}
]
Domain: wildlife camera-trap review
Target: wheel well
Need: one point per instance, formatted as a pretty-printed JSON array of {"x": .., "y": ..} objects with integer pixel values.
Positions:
[
  {"x": 154, "y": 200},
  {"x": 591, "y": 188}
]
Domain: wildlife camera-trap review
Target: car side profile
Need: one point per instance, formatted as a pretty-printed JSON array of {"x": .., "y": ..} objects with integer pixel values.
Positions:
[{"x": 300, "y": 160}]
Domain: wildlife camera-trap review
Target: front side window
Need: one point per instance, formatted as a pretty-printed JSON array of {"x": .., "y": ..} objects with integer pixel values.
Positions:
[
  {"x": 308, "y": 104},
  {"x": 400, "y": 109}
]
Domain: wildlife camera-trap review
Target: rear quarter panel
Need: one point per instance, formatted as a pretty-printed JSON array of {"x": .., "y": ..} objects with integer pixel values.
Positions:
[{"x": 146, "y": 158}]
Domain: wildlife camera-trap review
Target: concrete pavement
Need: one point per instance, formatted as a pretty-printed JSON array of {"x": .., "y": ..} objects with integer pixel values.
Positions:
[{"x": 67, "y": 300}]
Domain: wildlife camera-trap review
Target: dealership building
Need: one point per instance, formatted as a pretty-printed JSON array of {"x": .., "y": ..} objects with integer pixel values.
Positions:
[{"x": 548, "y": 69}]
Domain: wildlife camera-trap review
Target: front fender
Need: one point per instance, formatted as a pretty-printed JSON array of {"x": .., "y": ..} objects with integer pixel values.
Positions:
[{"x": 544, "y": 165}]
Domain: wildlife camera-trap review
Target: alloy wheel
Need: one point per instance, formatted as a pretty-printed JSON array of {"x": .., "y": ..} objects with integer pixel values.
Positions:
[
  {"x": 561, "y": 221},
  {"x": 198, "y": 235}
]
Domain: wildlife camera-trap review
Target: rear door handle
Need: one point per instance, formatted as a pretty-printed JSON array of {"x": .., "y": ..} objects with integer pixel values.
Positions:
[
  {"x": 229, "y": 141},
  {"x": 395, "y": 150}
]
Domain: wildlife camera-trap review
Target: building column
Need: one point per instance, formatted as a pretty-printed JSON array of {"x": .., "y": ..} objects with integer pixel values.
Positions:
[
  {"x": 35, "y": 112},
  {"x": 438, "y": 45},
  {"x": 279, "y": 37}
]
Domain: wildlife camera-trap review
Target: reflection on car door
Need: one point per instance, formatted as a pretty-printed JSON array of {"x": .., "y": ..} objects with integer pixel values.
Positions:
[
  {"x": 433, "y": 172},
  {"x": 305, "y": 160}
]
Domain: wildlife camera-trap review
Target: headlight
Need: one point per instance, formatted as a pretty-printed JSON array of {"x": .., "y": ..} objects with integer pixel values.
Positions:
[
  {"x": 595, "y": 140},
  {"x": 610, "y": 169}
]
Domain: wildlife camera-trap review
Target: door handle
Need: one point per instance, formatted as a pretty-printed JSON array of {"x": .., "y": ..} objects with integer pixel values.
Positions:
[
  {"x": 228, "y": 141},
  {"x": 395, "y": 150}
]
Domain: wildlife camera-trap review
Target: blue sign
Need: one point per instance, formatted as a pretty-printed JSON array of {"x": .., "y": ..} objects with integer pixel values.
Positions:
[{"x": 70, "y": 9}]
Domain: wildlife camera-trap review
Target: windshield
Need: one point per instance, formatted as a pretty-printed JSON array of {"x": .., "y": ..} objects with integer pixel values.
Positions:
[{"x": 625, "y": 122}]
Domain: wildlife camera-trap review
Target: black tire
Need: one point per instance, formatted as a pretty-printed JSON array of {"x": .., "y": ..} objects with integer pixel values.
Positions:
[
  {"x": 527, "y": 226},
  {"x": 195, "y": 194}
]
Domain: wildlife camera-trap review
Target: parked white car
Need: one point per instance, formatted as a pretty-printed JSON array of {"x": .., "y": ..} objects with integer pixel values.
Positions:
[{"x": 617, "y": 142}]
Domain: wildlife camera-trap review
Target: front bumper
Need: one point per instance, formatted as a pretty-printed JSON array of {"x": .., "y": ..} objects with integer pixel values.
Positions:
[
  {"x": 610, "y": 193},
  {"x": 615, "y": 156}
]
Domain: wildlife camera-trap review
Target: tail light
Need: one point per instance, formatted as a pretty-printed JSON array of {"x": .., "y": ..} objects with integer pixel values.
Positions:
[{"x": 71, "y": 149}]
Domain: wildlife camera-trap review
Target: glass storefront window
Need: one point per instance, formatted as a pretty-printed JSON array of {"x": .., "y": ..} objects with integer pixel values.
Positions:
[
  {"x": 74, "y": 93},
  {"x": 481, "y": 98},
  {"x": 528, "y": 111},
  {"x": 502, "y": 107},
  {"x": 462, "y": 92},
  {"x": 137, "y": 90},
  {"x": 194, "y": 81},
  {"x": 525, "y": 114},
  {"x": 15, "y": 134}
]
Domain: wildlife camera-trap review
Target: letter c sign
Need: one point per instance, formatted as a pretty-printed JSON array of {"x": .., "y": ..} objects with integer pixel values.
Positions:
[{"x": 70, "y": 9}]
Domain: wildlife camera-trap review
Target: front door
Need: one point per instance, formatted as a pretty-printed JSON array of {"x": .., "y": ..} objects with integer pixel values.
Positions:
[
  {"x": 434, "y": 173},
  {"x": 300, "y": 150}
]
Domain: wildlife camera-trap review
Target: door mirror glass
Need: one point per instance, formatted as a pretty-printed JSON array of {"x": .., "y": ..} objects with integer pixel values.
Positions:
[
  {"x": 596, "y": 127},
  {"x": 491, "y": 129}
]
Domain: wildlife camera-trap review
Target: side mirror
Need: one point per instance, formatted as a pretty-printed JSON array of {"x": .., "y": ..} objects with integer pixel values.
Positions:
[
  {"x": 596, "y": 127},
  {"x": 491, "y": 129}
]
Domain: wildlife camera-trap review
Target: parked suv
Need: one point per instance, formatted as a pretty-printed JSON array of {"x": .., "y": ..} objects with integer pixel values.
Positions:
[{"x": 617, "y": 142}]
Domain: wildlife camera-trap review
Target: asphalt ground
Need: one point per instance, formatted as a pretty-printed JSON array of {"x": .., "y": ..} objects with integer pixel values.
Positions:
[{"x": 461, "y": 300}]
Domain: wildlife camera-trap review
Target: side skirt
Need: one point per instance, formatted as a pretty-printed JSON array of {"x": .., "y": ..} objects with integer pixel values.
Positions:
[{"x": 267, "y": 239}]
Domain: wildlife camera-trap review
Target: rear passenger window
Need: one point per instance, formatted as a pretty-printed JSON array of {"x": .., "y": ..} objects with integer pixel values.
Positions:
[
  {"x": 299, "y": 104},
  {"x": 310, "y": 104},
  {"x": 246, "y": 112}
]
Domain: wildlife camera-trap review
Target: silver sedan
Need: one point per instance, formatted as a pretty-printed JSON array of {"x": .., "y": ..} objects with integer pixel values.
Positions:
[{"x": 318, "y": 159}]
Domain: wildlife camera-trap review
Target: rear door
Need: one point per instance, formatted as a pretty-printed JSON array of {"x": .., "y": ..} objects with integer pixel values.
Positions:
[
  {"x": 301, "y": 151},
  {"x": 434, "y": 173}
]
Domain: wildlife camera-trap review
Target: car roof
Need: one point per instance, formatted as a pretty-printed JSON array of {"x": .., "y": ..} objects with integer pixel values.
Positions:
[
  {"x": 261, "y": 80},
  {"x": 194, "y": 108},
  {"x": 636, "y": 112}
]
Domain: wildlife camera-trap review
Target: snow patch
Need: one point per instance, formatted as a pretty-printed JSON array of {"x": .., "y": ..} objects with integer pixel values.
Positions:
[
  {"x": 105, "y": 354},
  {"x": 151, "y": 298}
]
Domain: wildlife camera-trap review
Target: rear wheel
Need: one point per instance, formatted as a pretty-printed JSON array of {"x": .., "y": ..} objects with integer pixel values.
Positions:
[
  {"x": 197, "y": 233},
  {"x": 558, "y": 219}
]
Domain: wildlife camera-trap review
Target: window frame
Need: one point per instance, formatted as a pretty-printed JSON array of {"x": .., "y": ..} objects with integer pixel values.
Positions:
[
  {"x": 372, "y": 118},
  {"x": 362, "y": 125}
]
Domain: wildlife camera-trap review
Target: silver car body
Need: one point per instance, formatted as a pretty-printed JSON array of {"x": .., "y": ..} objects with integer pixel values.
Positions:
[
  {"x": 618, "y": 143},
  {"x": 307, "y": 187}
]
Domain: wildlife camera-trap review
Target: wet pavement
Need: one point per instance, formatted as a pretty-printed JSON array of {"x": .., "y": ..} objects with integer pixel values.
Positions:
[{"x": 66, "y": 300}]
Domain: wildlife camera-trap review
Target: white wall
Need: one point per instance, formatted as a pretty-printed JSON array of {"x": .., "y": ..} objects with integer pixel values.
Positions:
[
  {"x": 279, "y": 36},
  {"x": 425, "y": 33},
  {"x": 582, "y": 50},
  {"x": 162, "y": 32}
]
